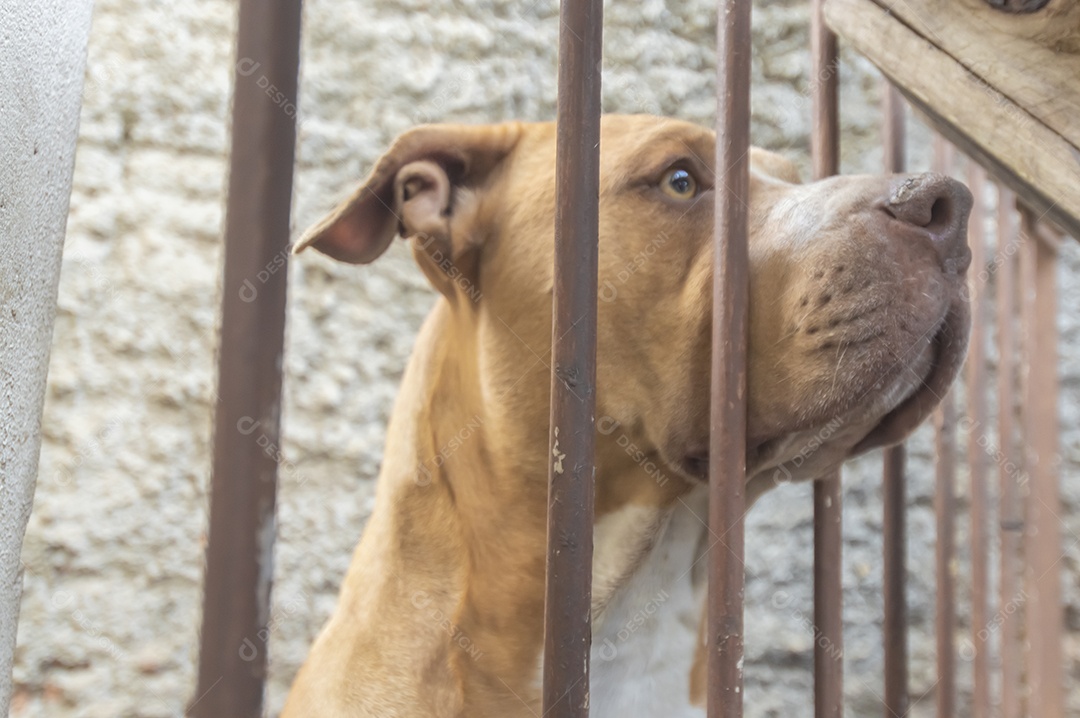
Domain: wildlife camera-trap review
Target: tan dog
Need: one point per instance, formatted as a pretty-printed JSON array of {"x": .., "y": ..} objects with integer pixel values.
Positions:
[{"x": 858, "y": 326}]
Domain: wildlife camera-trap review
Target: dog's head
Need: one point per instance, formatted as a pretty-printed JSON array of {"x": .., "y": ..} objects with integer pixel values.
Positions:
[{"x": 858, "y": 315}]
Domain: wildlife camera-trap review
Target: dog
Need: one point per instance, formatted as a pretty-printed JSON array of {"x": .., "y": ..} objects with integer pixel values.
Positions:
[{"x": 858, "y": 325}]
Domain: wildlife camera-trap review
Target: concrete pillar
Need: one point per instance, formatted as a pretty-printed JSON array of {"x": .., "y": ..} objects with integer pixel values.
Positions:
[{"x": 42, "y": 60}]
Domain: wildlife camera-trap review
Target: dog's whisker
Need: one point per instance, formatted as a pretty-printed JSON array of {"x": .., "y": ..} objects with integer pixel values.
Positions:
[{"x": 836, "y": 372}]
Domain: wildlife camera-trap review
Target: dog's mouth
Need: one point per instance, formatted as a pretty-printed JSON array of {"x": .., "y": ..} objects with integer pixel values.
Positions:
[
  {"x": 908, "y": 410},
  {"x": 949, "y": 348}
]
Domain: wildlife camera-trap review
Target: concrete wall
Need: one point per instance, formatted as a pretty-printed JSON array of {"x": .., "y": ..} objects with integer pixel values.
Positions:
[
  {"x": 115, "y": 544},
  {"x": 42, "y": 58}
]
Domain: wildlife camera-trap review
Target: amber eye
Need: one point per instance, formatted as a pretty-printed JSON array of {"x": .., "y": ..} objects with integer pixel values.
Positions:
[{"x": 679, "y": 184}]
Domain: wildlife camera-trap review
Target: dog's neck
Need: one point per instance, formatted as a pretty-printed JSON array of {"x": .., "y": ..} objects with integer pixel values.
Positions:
[
  {"x": 461, "y": 519},
  {"x": 461, "y": 513}
]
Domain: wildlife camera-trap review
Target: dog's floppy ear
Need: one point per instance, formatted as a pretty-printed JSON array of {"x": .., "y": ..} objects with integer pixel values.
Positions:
[{"x": 411, "y": 191}]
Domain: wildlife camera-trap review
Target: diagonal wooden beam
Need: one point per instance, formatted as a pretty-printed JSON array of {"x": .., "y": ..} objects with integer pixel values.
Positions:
[{"x": 1013, "y": 141}]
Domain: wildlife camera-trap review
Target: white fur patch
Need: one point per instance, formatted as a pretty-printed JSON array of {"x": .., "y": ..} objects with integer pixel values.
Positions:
[{"x": 644, "y": 637}]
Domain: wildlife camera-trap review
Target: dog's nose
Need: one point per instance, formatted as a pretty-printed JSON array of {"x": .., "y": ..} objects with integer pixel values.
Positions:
[{"x": 940, "y": 206}]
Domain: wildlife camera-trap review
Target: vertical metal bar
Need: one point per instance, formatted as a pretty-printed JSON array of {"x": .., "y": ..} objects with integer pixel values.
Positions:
[
  {"x": 893, "y": 128},
  {"x": 895, "y": 583},
  {"x": 730, "y": 333},
  {"x": 828, "y": 537},
  {"x": 976, "y": 456},
  {"x": 945, "y": 510},
  {"x": 825, "y": 92},
  {"x": 1026, "y": 313},
  {"x": 239, "y": 556},
  {"x": 894, "y": 523},
  {"x": 568, "y": 602},
  {"x": 1011, "y": 517},
  {"x": 828, "y": 599},
  {"x": 1043, "y": 539}
]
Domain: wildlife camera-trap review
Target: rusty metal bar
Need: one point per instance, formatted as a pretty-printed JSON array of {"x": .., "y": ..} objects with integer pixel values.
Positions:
[
  {"x": 893, "y": 137},
  {"x": 1043, "y": 549},
  {"x": 568, "y": 602},
  {"x": 1050, "y": 236},
  {"x": 894, "y": 537},
  {"x": 1026, "y": 312},
  {"x": 825, "y": 94},
  {"x": 239, "y": 555},
  {"x": 730, "y": 334},
  {"x": 945, "y": 511},
  {"x": 828, "y": 536},
  {"x": 894, "y": 499},
  {"x": 828, "y": 599},
  {"x": 945, "y": 508},
  {"x": 1010, "y": 509},
  {"x": 977, "y": 418}
]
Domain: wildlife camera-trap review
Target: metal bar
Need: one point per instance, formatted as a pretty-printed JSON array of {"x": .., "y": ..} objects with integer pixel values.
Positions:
[
  {"x": 945, "y": 510},
  {"x": 730, "y": 334},
  {"x": 977, "y": 466},
  {"x": 1011, "y": 517},
  {"x": 828, "y": 536},
  {"x": 1043, "y": 539},
  {"x": 894, "y": 535},
  {"x": 828, "y": 599},
  {"x": 893, "y": 137},
  {"x": 1026, "y": 313},
  {"x": 825, "y": 92},
  {"x": 1049, "y": 236},
  {"x": 568, "y": 602},
  {"x": 239, "y": 556},
  {"x": 894, "y": 522}
]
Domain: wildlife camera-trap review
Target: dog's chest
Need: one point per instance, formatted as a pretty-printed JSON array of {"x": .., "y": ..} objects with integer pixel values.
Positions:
[{"x": 644, "y": 639}]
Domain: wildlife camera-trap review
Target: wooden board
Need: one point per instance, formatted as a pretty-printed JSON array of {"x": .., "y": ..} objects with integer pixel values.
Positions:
[
  {"x": 1037, "y": 162},
  {"x": 1023, "y": 61},
  {"x": 1054, "y": 24}
]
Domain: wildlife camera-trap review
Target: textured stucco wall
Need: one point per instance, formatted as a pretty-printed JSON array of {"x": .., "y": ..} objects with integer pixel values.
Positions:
[
  {"x": 115, "y": 544},
  {"x": 42, "y": 58}
]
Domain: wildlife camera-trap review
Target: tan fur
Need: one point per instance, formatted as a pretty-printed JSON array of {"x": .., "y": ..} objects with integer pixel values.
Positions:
[{"x": 441, "y": 612}]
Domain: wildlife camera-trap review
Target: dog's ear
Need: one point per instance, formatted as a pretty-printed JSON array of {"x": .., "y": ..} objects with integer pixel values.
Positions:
[{"x": 411, "y": 192}]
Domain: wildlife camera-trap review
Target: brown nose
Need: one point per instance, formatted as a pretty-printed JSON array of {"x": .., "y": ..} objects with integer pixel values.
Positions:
[{"x": 940, "y": 206}]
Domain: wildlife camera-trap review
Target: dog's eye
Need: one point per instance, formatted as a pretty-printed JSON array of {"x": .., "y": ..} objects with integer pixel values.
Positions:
[{"x": 679, "y": 184}]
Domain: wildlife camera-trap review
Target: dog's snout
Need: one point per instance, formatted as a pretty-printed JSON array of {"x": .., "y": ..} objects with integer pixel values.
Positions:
[{"x": 940, "y": 206}]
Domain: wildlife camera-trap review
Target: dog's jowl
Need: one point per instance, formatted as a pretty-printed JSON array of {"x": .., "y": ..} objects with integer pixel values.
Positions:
[{"x": 858, "y": 324}]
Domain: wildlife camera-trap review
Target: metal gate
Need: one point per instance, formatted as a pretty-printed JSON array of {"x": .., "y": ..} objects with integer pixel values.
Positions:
[{"x": 1029, "y": 657}]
